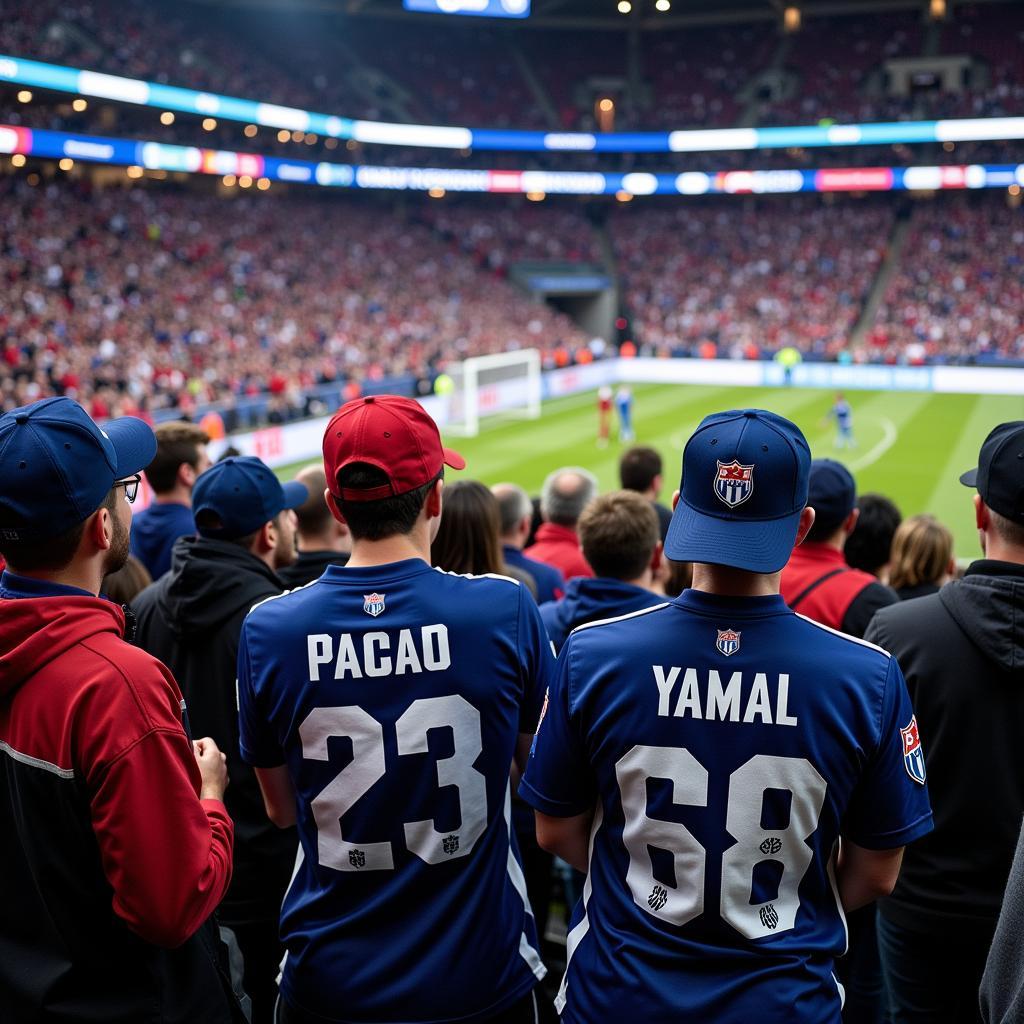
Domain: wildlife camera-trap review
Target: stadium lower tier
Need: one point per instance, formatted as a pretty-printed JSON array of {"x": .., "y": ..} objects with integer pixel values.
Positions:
[{"x": 155, "y": 298}]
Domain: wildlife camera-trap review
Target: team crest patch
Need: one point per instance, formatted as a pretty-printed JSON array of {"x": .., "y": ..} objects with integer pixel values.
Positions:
[
  {"x": 728, "y": 642},
  {"x": 373, "y": 604},
  {"x": 734, "y": 483},
  {"x": 913, "y": 755}
]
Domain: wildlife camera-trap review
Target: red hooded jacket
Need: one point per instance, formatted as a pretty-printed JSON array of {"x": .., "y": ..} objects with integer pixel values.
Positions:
[{"x": 109, "y": 858}]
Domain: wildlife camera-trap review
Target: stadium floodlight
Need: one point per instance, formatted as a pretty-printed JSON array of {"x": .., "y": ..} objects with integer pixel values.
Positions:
[{"x": 508, "y": 383}]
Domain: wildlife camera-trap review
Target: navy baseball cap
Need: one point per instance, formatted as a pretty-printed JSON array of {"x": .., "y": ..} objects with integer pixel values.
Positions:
[
  {"x": 831, "y": 492},
  {"x": 999, "y": 476},
  {"x": 242, "y": 493},
  {"x": 743, "y": 488},
  {"x": 57, "y": 466}
]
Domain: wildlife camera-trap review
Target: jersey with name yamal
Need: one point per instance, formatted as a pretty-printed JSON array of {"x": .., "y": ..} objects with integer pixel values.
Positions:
[
  {"x": 726, "y": 744},
  {"x": 395, "y": 696}
]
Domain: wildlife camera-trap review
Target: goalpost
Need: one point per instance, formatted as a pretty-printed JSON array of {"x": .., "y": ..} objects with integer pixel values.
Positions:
[{"x": 509, "y": 383}]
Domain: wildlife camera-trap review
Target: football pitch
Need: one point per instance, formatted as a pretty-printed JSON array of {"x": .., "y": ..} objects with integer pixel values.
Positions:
[{"x": 910, "y": 446}]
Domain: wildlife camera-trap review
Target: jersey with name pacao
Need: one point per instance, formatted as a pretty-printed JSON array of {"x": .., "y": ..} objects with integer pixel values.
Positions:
[
  {"x": 727, "y": 743},
  {"x": 395, "y": 696}
]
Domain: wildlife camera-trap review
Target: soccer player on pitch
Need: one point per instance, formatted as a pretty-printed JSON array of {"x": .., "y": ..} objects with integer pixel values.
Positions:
[
  {"x": 604, "y": 415},
  {"x": 842, "y": 413},
  {"x": 731, "y": 775},
  {"x": 382, "y": 707}
]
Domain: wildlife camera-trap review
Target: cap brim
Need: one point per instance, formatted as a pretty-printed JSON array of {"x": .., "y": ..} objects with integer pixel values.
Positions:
[
  {"x": 762, "y": 545},
  {"x": 134, "y": 445},
  {"x": 970, "y": 478},
  {"x": 453, "y": 459},
  {"x": 295, "y": 494}
]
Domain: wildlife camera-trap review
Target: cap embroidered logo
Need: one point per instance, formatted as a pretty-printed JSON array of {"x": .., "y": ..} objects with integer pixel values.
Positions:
[{"x": 734, "y": 483}]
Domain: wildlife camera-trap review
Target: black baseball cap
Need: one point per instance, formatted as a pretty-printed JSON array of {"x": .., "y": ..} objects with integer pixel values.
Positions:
[
  {"x": 242, "y": 493},
  {"x": 57, "y": 465},
  {"x": 999, "y": 475},
  {"x": 743, "y": 487},
  {"x": 831, "y": 492}
]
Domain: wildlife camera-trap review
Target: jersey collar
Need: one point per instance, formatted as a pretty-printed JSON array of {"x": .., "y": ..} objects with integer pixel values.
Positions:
[{"x": 714, "y": 604}]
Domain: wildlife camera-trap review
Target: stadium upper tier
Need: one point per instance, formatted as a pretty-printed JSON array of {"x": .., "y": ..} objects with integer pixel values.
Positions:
[
  {"x": 151, "y": 298},
  {"x": 416, "y": 84}
]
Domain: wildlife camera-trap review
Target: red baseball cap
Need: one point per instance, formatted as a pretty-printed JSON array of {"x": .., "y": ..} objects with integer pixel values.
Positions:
[{"x": 394, "y": 434}]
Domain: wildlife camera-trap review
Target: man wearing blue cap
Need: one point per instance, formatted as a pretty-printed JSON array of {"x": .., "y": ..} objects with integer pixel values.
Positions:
[
  {"x": 191, "y": 620},
  {"x": 732, "y": 776},
  {"x": 115, "y": 845}
]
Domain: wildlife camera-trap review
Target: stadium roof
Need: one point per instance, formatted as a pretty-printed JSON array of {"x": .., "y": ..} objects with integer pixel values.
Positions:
[{"x": 602, "y": 14}]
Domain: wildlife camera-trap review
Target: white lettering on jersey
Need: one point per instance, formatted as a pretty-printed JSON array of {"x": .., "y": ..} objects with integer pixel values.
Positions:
[
  {"x": 416, "y": 650},
  {"x": 723, "y": 702}
]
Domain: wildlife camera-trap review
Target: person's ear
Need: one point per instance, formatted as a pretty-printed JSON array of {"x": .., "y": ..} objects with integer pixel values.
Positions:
[
  {"x": 266, "y": 539},
  {"x": 850, "y": 522},
  {"x": 332, "y": 504},
  {"x": 982, "y": 515},
  {"x": 434, "y": 502},
  {"x": 100, "y": 529},
  {"x": 187, "y": 475},
  {"x": 675, "y": 500},
  {"x": 804, "y": 527},
  {"x": 656, "y": 483},
  {"x": 657, "y": 557}
]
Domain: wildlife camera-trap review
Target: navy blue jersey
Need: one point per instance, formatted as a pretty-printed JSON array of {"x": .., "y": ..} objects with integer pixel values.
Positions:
[
  {"x": 726, "y": 745},
  {"x": 395, "y": 696}
]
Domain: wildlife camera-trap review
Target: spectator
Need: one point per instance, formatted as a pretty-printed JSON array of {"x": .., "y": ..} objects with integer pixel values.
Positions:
[
  {"x": 703, "y": 921},
  {"x": 516, "y": 512},
  {"x": 817, "y": 582},
  {"x": 962, "y": 650},
  {"x": 619, "y": 533},
  {"x": 869, "y": 547},
  {"x": 180, "y": 457},
  {"x": 564, "y": 496},
  {"x": 402, "y": 655},
  {"x": 640, "y": 470},
  {"x": 678, "y": 577},
  {"x": 190, "y": 619},
  {"x": 1002, "y": 985},
  {"x": 116, "y": 845},
  {"x": 922, "y": 557},
  {"x": 126, "y": 583},
  {"x": 468, "y": 540},
  {"x": 322, "y": 540}
]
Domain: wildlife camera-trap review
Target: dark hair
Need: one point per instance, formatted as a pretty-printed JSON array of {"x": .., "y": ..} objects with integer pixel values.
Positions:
[
  {"x": 1009, "y": 531},
  {"x": 313, "y": 515},
  {"x": 53, "y": 553},
  {"x": 177, "y": 443},
  {"x": 618, "y": 534},
  {"x": 869, "y": 547},
  {"x": 385, "y": 517},
  {"x": 468, "y": 539},
  {"x": 124, "y": 585},
  {"x": 638, "y": 467},
  {"x": 680, "y": 577}
]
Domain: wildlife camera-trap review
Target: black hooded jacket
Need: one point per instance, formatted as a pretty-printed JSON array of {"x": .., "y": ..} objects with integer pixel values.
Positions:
[
  {"x": 191, "y": 619},
  {"x": 962, "y": 652}
]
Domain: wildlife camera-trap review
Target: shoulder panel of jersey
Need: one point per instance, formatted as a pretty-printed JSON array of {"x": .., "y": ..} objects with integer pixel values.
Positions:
[
  {"x": 844, "y": 636},
  {"x": 277, "y": 597},
  {"x": 477, "y": 576},
  {"x": 620, "y": 618}
]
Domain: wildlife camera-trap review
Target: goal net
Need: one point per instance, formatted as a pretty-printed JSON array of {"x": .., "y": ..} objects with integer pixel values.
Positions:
[{"x": 507, "y": 383}]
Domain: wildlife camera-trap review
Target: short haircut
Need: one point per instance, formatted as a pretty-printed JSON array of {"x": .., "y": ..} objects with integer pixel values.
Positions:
[
  {"x": 53, "y": 553},
  {"x": 467, "y": 540},
  {"x": 1010, "y": 532},
  {"x": 869, "y": 547},
  {"x": 638, "y": 467},
  {"x": 921, "y": 552},
  {"x": 385, "y": 517},
  {"x": 514, "y": 505},
  {"x": 618, "y": 533},
  {"x": 313, "y": 515},
  {"x": 566, "y": 493},
  {"x": 177, "y": 443}
]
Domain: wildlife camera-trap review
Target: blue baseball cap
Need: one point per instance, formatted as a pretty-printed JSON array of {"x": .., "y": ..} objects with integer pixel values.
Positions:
[
  {"x": 831, "y": 492},
  {"x": 57, "y": 466},
  {"x": 242, "y": 493},
  {"x": 743, "y": 488}
]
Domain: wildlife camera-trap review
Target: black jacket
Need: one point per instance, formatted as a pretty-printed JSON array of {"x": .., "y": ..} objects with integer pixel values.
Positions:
[
  {"x": 191, "y": 619},
  {"x": 309, "y": 566},
  {"x": 962, "y": 651}
]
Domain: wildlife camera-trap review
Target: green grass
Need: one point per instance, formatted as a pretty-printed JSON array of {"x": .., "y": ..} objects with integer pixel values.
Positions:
[{"x": 911, "y": 446}]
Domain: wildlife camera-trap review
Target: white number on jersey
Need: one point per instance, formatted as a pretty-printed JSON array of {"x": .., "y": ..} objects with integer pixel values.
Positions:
[
  {"x": 677, "y": 904},
  {"x": 368, "y": 766}
]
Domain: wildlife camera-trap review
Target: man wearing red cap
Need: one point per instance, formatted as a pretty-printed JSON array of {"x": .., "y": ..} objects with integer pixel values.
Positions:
[{"x": 382, "y": 707}]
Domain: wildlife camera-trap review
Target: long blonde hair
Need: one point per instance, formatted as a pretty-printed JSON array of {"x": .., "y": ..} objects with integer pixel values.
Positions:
[{"x": 921, "y": 552}]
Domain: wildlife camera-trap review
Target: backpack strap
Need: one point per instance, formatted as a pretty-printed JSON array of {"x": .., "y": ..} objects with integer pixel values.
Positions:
[{"x": 808, "y": 590}]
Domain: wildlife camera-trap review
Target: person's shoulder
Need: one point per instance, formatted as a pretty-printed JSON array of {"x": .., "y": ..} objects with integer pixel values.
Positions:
[
  {"x": 276, "y": 605},
  {"x": 829, "y": 643},
  {"x": 481, "y": 586},
  {"x": 903, "y": 616},
  {"x": 143, "y": 601},
  {"x": 618, "y": 629}
]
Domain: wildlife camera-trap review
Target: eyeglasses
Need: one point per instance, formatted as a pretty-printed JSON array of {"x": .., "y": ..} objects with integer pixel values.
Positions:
[{"x": 131, "y": 487}]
